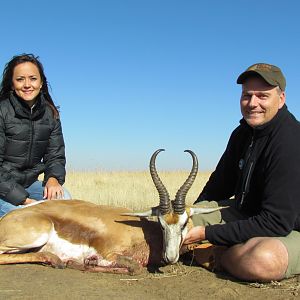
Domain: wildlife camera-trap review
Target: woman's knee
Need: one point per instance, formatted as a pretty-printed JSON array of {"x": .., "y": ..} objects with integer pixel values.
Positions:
[
  {"x": 36, "y": 190},
  {"x": 67, "y": 195}
]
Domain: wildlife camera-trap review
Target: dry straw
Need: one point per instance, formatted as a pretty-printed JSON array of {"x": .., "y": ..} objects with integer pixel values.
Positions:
[{"x": 134, "y": 190}]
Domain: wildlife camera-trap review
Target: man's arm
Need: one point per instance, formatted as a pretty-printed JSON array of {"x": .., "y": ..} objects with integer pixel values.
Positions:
[{"x": 280, "y": 205}]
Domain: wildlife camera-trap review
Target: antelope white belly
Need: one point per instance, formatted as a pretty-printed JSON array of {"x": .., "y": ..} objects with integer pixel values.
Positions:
[{"x": 66, "y": 250}]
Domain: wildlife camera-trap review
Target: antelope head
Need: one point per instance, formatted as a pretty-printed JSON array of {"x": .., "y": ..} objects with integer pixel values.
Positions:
[{"x": 172, "y": 215}]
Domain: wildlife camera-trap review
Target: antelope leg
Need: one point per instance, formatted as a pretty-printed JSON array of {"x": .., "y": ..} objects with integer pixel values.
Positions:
[
  {"x": 33, "y": 257},
  {"x": 22, "y": 231},
  {"x": 116, "y": 263}
]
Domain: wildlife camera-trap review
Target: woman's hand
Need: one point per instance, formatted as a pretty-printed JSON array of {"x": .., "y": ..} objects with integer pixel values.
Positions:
[
  {"x": 53, "y": 190},
  {"x": 196, "y": 234},
  {"x": 28, "y": 201}
]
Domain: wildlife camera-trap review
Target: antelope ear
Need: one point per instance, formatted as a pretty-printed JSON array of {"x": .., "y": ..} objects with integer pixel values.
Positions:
[
  {"x": 154, "y": 211},
  {"x": 204, "y": 210}
]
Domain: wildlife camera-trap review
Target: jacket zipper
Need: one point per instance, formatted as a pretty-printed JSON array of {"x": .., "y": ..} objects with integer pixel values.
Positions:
[
  {"x": 31, "y": 137},
  {"x": 247, "y": 182}
]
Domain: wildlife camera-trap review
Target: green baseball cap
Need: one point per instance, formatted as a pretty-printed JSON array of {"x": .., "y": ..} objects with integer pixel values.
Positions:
[{"x": 271, "y": 74}]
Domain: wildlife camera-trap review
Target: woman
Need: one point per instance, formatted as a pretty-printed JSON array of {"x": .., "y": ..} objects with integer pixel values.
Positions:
[{"x": 31, "y": 139}]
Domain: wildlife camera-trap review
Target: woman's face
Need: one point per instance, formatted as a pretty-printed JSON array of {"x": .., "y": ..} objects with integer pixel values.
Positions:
[{"x": 27, "y": 82}]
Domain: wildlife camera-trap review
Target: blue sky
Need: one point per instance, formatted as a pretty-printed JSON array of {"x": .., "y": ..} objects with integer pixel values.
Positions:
[{"x": 132, "y": 76}]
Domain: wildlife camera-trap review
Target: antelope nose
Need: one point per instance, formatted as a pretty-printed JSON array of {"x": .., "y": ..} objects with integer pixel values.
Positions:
[{"x": 171, "y": 259}]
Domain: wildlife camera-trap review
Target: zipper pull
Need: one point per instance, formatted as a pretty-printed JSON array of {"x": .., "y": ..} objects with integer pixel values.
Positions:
[
  {"x": 252, "y": 141},
  {"x": 242, "y": 199}
]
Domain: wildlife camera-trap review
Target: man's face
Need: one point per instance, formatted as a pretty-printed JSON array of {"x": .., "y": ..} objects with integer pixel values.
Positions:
[{"x": 260, "y": 101}]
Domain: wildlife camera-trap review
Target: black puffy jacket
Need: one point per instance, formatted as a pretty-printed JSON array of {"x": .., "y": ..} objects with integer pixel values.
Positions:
[{"x": 31, "y": 142}]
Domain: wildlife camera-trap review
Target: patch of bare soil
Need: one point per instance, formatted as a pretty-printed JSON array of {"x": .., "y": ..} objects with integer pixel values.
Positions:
[{"x": 171, "y": 282}]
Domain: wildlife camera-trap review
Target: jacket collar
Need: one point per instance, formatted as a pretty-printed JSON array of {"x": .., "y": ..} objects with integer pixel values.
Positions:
[
  {"x": 266, "y": 128},
  {"x": 24, "y": 111}
]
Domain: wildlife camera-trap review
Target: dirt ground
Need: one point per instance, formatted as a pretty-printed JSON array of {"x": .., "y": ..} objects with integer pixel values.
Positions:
[{"x": 181, "y": 281}]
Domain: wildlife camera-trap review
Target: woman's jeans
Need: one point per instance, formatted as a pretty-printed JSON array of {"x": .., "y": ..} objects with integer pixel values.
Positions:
[{"x": 36, "y": 192}]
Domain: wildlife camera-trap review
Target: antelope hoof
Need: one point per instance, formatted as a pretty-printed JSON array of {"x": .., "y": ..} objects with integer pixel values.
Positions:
[
  {"x": 53, "y": 260},
  {"x": 133, "y": 267},
  {"x": 91, "y": 261}
]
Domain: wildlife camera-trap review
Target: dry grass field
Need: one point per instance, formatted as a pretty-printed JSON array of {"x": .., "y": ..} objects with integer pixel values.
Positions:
[{"x": 134, "y": 190}]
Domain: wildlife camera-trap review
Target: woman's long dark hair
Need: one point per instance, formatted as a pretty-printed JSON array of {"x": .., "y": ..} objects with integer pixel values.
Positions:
[{"x": 6, "y": 84}]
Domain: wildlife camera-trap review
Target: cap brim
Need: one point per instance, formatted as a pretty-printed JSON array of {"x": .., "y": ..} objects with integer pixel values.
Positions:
[{"x": 241, "y": 79}]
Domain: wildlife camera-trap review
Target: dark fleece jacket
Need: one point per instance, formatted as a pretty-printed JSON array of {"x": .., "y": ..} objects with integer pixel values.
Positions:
[{"x": 261, "y": 169}]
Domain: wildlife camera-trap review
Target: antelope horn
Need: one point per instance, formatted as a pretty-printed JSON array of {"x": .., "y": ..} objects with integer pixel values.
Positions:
[
  {"x": 164, "y": 198},
  {"x": 179, "y": 202}
]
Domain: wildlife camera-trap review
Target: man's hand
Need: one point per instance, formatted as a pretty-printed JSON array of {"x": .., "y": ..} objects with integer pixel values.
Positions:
[
  {"x": 53, "y": 190},
  {"x": 196, "y": 234}
]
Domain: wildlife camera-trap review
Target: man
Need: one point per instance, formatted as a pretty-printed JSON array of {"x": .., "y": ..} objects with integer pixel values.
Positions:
[{"x": 261, "y": 169}]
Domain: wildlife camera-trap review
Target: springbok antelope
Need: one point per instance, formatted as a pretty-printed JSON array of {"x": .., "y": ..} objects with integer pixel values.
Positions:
[{"x": 98, "y": 238}]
